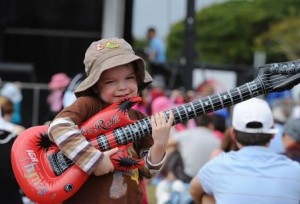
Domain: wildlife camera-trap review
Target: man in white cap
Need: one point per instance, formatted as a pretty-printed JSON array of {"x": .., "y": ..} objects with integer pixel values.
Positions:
[{"x": 253, "y": 174}]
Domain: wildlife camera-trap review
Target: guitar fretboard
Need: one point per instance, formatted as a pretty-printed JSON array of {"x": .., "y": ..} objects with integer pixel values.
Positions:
[{"x": 182, "y": 113}]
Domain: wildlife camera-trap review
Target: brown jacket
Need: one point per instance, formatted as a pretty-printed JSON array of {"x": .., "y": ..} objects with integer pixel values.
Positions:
[{"x": 119, "y": 186}]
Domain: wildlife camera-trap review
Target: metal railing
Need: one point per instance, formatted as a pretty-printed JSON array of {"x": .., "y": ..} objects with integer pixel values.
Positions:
[{"x": 36, "y": 89}]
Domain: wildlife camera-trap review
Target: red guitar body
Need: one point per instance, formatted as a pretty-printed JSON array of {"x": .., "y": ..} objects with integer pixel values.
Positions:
[{"x": 39, "y": 179}]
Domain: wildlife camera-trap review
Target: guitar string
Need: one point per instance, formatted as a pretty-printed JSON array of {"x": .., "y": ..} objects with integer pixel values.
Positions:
[{"x": 245, "y": 92}]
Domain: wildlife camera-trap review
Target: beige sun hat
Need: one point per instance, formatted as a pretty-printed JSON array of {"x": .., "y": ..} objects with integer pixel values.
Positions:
[{"x": 106, "y": 54}]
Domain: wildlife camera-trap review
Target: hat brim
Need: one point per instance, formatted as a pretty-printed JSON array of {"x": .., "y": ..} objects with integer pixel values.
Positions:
[
  {"x": 109, "y": 63},
  {"x": 258, "y": 130}
]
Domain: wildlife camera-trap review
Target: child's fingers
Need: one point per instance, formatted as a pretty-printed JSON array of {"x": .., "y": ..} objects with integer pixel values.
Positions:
[
  {"x": 155, "y": 119},
  {"x": 112, "y": 151},
  {"x": 171, "y": 118},
  {"x": 159, "y": 118}
]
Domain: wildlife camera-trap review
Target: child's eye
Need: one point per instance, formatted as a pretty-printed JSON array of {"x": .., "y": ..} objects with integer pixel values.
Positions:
[
  {"x": 131, "y": 77},
  {"x": 108, "y": 82}
]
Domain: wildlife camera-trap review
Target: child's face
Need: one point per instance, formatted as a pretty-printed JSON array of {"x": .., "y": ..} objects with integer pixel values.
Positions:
[{"x": 117, "y": 83}]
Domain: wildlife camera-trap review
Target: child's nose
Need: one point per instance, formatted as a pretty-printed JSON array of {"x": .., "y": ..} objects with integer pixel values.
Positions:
[{"x": 122, "y": 84}]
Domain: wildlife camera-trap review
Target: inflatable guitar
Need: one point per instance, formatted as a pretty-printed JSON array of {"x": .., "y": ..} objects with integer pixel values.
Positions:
[{"x": 47, "y": 176}]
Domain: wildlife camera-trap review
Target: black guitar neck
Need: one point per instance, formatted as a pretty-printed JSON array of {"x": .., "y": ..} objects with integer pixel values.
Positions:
[{"x": 182, "y": 113}]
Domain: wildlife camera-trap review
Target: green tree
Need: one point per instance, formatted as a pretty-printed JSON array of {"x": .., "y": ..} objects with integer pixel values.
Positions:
[
  {"x": 226, "y": 32},
  {"x": 282, "y": 38}
]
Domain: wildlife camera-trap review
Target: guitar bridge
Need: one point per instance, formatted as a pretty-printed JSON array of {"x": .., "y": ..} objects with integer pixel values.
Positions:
[{"x": 59, "y": 163}]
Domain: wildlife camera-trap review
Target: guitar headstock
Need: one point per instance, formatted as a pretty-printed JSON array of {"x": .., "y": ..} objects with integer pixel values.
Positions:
[{"x": 279, "y": 76}]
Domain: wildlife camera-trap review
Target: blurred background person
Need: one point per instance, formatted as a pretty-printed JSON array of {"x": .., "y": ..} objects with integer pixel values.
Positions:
[
  {"x": 155, "y": 90},
  {"x": 282, "y": 106},
  {"x": 57, "y": 86},
  {"x": 196, "y": 144},
  {"x": 209, "y": 87},
  {"x": 291, "y": 139},
  {"x": 219, "y": 125},
  {"x": 7, "y": 110},
  {"x": 156, "y": 56},
  {"x": 69, "y": 96},
  {"x": 10, "y": 191},
  {"x": 285, "y": 108},
  {"x": 227, "y": 144},
  {"x": 13, "y": 92}
]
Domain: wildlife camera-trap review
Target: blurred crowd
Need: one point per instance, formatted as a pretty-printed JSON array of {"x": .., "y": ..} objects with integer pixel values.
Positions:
[{"x": 194, "y": 143}]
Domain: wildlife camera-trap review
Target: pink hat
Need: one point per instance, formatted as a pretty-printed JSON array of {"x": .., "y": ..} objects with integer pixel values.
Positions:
[
  {"x": 59, "y": 80},
  {"x": 161, "y": 103}
]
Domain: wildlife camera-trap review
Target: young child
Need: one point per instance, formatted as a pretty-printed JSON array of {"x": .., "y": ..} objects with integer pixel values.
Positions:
[{"x": 114, "y": 73}]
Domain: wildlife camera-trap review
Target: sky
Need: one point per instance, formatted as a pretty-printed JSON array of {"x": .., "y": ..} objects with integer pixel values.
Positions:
[{"x": 161, "y": 14}]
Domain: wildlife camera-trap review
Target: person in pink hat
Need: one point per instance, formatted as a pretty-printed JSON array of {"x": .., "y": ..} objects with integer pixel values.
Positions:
[
  {"x": 57, "y": 86},
  {"x": 114, "y": 73}
]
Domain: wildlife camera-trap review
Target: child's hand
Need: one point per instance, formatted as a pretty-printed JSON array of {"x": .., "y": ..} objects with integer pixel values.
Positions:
[
  {"x": 161, "y": 129},
  {"x": 105, "y": 165}
]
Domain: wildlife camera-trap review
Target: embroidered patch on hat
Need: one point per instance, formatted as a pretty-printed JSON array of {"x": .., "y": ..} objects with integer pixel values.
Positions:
[
  {"x": 111, "y": 44},
  {"x": 99, "y": 46}
]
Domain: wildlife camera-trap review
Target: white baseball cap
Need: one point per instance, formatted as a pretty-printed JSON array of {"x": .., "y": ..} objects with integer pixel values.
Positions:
[{"x": 253, "y": 116}]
